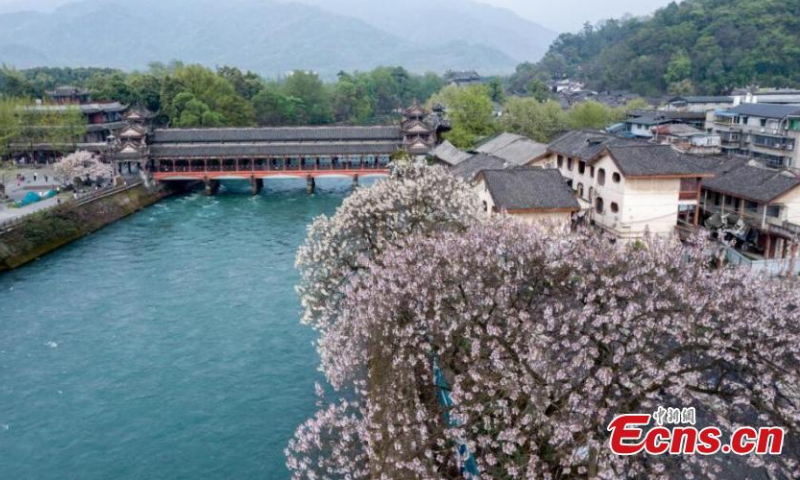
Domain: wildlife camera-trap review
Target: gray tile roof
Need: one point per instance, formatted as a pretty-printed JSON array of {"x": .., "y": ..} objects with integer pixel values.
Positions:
[
  {"x": 740, "y": 178},
  {"x": 651, "y": 160},
  {"x": 246, "y": 150},
  {"x": 280, "y": 134},
  {"x": 670, "y": 115},
  {"x": 703, "y": 99},
  {"x": 765, "y": 110},
  {"x": 635, "y": 158},
  {"x": 449, "y": 154},
  {"x": 586, "y": 144},
  {"x": 85, "y": 108},
  {"x": 530, "y": 189},
  {"x": 471, "y": 167},
  {"x": 515, "y": 149}
]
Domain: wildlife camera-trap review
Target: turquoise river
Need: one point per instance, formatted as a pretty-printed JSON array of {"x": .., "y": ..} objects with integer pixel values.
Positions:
[{"x": 165, "y": 346}]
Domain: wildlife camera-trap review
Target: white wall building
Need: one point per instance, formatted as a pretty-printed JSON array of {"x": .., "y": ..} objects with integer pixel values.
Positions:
[{"x": 631, "y": 187}]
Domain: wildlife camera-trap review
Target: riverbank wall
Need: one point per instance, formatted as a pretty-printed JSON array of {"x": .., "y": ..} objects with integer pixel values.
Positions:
[{"x": 45, "y": 231}]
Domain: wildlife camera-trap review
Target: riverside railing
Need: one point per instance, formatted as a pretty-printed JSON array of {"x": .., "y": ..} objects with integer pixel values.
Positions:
[
  {"x": 770, "y": 267},
  {"x": 75, "y": 201}
]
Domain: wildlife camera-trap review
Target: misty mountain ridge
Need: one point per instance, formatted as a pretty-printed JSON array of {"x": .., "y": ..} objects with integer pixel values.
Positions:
[{"x": 272, "y": 38}]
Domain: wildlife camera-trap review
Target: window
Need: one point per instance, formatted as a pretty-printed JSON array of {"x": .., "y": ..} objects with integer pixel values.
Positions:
[
  {"x": 616, "y": 177},
  {"x": 774, "y": 211},
  {"x": 485, "y": 206},
  {"x": 560, "y": 161},
  {"x": 581, "y": 167},
  {"x": 598, "y": 206},
  {"x": 751, "y": 207},
  {"x": 580, "y": 190},
  {"x": 614, "y": 207},
  {"x": 601, "y": 176},
  {"x": 569, "y": 164},
  {"x": 591, "y": 193},
  {"x": 591, "y": 172},
  {"x": 763, "y": 122}
]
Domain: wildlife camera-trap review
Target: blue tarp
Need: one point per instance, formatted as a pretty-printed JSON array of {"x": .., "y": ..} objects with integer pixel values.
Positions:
[{"x": 33, "y": 197}]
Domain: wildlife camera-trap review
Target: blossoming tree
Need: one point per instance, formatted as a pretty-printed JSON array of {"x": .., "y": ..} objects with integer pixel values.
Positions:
[
  {"x": 82, "y": 165},
  {"x": 542, "y": 340},
  {"x": 414, "y": 200}
]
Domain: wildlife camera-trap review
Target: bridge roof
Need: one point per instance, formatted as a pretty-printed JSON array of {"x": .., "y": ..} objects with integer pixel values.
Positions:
[
  {"x": 278, "y": 134},
  {"x": 245, "y": 150}
]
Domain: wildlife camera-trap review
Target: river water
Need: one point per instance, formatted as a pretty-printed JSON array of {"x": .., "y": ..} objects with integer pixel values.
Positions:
[{"x": 164, "y": 346}]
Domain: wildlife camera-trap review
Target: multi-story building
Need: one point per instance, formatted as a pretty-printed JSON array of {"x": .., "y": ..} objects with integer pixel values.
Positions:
[
  {"x": 630, "y": 187},
  {"x": 688, "y": 139},
  {"x": 103, "y": 120},
  {"x": 758, "y": 207},
  {"x": 766, "y": 132}
]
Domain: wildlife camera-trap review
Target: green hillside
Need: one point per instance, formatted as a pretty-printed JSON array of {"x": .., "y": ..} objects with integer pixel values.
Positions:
[{"x": 697, "y": 46}]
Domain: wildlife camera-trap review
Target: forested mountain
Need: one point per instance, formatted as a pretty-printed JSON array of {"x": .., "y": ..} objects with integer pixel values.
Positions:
[
  {"x": 697, "y": 46},
  {"x": 440, "y": 22},
  {"x": 265, "y": 36}
]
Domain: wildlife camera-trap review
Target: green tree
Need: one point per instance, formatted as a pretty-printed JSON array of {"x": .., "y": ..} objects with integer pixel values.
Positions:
[
  {"x": 111, "y": 87},
  {"x": 684, "y": 87},
  {"x": 9, "y": 124},
  {"x": 246, "y": 84},
  {"x": 146, "y": 90},
  {"x": 471, "y": 112},
  {"x": 496, "y": 90},
  {"x": 679, "y": 68},
  {"x": 314, "y": 106},
  {"x": 59, "y": 127},
  {"x": 541, "y": 121},
  {"x": 539, "y": 90},
  {"x": 350, "y": 101},
  {"x": 273, "y": 108},
  {"x": 591, "y": 114},
  {"x": 14, "y": 84},
  {"x": 228, "y": 107}
]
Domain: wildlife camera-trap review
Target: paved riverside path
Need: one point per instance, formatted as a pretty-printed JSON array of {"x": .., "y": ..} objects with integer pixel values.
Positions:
[{"x": 17, "y": 190}]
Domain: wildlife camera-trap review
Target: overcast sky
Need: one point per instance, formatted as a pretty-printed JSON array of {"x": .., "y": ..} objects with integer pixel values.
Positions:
[
  {"x": 570, "y": 15},
  {"x": 558, "y": 15}
]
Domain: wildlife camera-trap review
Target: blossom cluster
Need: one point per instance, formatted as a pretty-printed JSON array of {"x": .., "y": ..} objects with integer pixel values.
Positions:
[
  {"x": 82, "y": 165},
  {"x": 543, "y": 337}
]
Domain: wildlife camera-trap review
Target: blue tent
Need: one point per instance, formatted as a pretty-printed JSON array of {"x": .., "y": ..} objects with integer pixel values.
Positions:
[{"x": 33, "y": 197}]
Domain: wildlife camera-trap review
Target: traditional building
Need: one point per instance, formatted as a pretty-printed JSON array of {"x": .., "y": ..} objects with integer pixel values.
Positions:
[
  {"x": 66, "y": 95},
  {"x": 469, "y": 169},
  {"x": 700, "y": 104},
  {"x": 757, "y": 207},
  {"x": 631, "y": 187},
  {"x": 448, "y": 155},
  {"x": 532, "y": 195},
  {"x": 464, "y": 78},
  {"x": 130, "y": 147},
  {"x": 515, "y": 149},
  {"x": 103, "y": 122}
]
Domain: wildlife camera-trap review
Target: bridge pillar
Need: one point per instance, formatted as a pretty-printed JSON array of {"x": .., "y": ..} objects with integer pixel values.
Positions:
[
  {"x": 256, "y": 185},
  {"x": 355, "y": 181},
  {"x": 212, "y": 187},
  {"x": 311, "y": 185}
]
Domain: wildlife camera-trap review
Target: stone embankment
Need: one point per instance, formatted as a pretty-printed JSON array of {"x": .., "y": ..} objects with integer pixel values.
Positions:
[{"x": 34, "y": 235}]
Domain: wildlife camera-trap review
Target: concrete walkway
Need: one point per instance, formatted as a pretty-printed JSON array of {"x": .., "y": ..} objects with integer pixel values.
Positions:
[{"x": 17, "y": 190}]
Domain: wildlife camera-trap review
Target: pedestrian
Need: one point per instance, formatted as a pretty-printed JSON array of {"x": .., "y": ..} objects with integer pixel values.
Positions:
[
  {"x": 45, "y": 179},
  {"x": 34, "y": 176}
]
